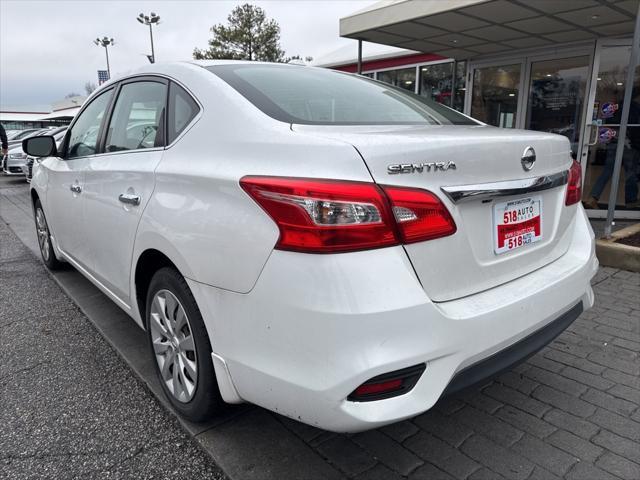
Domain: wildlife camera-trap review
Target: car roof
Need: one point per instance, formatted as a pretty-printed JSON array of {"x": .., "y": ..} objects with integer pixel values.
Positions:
[{"x": 168, "y": 67}]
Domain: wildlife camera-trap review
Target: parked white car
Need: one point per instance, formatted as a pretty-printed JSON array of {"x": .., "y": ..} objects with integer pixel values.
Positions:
[
  {"x": 13, "y": 161},
  {"x": 27, "y": 168},
  {"x": 317, "y": 243},
  {"x": 16, "y": 160}
]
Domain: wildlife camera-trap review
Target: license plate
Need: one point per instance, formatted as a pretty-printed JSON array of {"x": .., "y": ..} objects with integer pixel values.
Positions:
[{"x": 517, "y": 223}]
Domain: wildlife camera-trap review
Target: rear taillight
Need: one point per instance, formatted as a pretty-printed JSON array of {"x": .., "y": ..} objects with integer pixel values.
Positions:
[
  {"x": 324, "y": 216},
  {"x": 331, "y": 216},
  {"x": 574, "y": 185},
  {"x": 420, "y": 215}
]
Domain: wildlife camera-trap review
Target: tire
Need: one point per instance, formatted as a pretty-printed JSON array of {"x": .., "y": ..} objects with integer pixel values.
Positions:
[
  {"x": 181, "y": 340},
  {"x": 44, "y": 238}
]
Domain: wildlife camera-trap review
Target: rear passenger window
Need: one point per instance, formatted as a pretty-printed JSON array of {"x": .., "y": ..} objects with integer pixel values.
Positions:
[
  {"x": 138, "y": 117},
  {"x": 182, "y": 109}
]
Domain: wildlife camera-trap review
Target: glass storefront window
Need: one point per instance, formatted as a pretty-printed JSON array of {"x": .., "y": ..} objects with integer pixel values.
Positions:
[
  {"x": 435, "y": 82},
  {"x": 597, "y": 180},
  {"x": 495, "y": 95},
  {"x": 460, "y": 86},
  {"x": 556, "y": 97},
  {"x": 607, "y": 111},
  {"x": 403, "y": 78}
]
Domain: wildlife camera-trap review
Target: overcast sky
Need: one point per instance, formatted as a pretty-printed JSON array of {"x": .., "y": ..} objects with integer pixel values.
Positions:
[{"x": 47, "y": 50}]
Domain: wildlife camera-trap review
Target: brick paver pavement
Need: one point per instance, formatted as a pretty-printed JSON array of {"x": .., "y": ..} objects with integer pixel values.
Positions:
[{"x": 571, "y": 411}]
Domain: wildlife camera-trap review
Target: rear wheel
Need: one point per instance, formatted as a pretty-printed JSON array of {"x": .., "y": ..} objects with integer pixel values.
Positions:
[
  {"x": 180, "y": 347},
  {"x": 44, "y": 239}
]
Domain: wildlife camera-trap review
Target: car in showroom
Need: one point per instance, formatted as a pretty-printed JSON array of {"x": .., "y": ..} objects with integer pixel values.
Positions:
[{"x": 317, "y": 243}]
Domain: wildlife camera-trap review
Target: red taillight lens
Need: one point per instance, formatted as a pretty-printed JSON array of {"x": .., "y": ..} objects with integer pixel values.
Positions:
[
  {"x": 419, "y": 214},
  {"x": 574, "y": 186},
  {"x": 388, "y": 385},
  {"x": 377, "y": 388},
  {"x": 331, "y": 216},
  {"x": 324, "y": 216}
]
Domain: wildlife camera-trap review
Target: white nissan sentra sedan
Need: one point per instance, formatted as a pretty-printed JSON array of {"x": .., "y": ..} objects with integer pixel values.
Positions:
[{"x": 323, "y": 245}]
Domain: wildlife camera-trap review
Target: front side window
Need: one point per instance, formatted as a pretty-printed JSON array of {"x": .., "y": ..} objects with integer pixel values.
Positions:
[
  {"x": 83, "y": 138},
  {"x": 316, "y": 96},
  {"x": 182, "y": 109},
  {"x": 138, "y": 117}
]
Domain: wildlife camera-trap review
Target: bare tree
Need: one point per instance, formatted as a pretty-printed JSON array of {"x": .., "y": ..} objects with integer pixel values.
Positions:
[{"x": 89, "y": 87}]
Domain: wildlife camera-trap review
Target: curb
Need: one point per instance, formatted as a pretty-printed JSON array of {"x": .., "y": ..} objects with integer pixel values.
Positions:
[{"x": 617, "y": 255}]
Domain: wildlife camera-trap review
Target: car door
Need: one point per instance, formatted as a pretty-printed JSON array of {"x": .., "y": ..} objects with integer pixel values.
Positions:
[
  {"x": 66, "y": 174},
  {"x": 120, "y": 180}
]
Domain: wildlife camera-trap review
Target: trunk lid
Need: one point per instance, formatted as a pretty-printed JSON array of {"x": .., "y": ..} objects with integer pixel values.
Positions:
[{"x": 466, "y": 262}]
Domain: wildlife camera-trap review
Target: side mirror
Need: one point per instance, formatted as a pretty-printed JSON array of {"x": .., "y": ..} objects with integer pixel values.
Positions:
[{"x": 44, "y": 146}]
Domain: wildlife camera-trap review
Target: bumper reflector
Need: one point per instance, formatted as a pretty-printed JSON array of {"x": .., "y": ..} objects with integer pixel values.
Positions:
[{"x": 388, "y": 385}]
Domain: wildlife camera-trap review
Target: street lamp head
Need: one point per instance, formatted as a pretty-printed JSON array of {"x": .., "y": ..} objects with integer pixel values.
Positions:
[
  {"x": 150, "y": 19},
  {"x": 104, "y": 41}
]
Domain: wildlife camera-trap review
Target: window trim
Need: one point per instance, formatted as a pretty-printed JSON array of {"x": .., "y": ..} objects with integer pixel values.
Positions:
[
  {"x": 102, "y": 137},
  {"x": 116, "y": 86}
]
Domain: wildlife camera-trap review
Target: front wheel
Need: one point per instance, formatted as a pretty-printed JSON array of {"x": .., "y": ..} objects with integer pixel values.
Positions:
[
  {"x": 44, "y": 239},
  {"x": 180, "y": 346}
]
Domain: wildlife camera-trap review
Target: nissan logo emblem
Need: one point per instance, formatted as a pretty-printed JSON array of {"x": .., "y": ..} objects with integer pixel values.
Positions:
[{"x": 528, "y": 158}]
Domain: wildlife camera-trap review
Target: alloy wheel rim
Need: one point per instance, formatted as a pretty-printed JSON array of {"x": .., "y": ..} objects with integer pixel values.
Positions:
[
  {"x": 43, "y": 234},
  {"x": 173, "y": 345}
]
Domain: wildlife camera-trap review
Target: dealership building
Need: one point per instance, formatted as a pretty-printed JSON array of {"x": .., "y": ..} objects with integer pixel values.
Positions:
[
  {"x": 559, "y": 66},
  {"x": 55, "y": 115}
]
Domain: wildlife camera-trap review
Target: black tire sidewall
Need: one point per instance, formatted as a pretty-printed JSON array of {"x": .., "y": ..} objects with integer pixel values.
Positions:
[
  {"x": 53, "y": 263},
  {"x": 206, "y": 401}
]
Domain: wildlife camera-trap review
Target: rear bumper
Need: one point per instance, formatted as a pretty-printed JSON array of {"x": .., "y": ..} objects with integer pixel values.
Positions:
[
  {"x": 317, "y": 326},
  {"x": 513, "y": 354}
]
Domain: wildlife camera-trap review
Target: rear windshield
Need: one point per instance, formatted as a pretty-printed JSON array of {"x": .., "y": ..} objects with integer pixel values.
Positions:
[{"x": 315, "y": 96}]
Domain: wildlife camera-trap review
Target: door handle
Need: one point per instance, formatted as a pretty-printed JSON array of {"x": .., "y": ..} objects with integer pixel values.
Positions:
[
  {"x": 75, "y": 188},
  {"x": 129, "y": 198}
]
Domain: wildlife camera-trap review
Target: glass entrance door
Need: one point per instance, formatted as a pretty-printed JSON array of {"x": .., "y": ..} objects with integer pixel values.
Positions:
[
  {"x": 495, "y": 94},
  {"x": 600, "y": 148},
  {"x": 557, "y": 95}
]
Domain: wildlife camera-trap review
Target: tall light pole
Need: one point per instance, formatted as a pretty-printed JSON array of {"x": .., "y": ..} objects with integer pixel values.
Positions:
[
  {"x": 149, "y": 20},
  {"x": 105, "y": 42}
]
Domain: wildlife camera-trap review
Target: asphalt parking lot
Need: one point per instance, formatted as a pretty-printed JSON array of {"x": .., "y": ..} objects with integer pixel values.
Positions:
[
  {"x": 70, "y": 406},
  {"x": 78, "y": 399}
]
